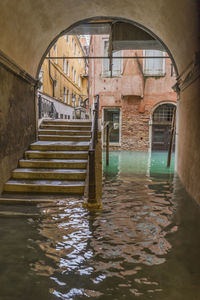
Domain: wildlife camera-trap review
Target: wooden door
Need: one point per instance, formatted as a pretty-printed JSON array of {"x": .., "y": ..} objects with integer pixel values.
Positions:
[{"x": 161, "y": 137}]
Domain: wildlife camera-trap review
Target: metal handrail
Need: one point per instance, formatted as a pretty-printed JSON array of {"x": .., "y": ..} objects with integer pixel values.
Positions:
[
  {"x": 95, "y": 118},
  {"x": 91, "y": 154},
  {"x": 46, "y": 108}
]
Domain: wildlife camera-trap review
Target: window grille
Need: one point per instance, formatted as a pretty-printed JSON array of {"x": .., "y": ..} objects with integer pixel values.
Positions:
[{"x": 163, "y": 113}]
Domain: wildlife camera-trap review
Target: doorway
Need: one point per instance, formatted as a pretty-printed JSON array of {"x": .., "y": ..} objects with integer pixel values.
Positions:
[{"x": 112, "y": 117}]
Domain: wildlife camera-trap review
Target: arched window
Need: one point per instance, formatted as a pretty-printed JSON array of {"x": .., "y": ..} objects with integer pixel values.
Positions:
[
  {"x": 163, "y": 113},
  {"x": 161, "y": 127}
]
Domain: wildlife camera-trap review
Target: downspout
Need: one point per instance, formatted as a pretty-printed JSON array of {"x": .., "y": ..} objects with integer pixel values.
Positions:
[{"x": 53, "y": 81}]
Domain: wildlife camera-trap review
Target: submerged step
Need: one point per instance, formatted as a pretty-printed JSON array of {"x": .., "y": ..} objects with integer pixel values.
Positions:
[
  {"x": 64, "y": 132},
  {"x": 56, "y": 154},
  {"x": 66, "y": 127},
  {"x": 63, "y": 138},
  {"x": 45, "y": 186},
  {"x": 59, "y": 145},
  {"x": 62, "y": 122},
  {"x": 53, "y": 163},
  {"x": 59, "y": 174}
]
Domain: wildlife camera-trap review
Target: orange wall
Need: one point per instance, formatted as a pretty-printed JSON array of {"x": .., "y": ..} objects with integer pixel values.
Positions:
[{"x": 66, "y": 48}]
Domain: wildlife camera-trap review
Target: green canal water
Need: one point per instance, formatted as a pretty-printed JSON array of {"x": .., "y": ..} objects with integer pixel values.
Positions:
[{"x": 144, "y": 244}]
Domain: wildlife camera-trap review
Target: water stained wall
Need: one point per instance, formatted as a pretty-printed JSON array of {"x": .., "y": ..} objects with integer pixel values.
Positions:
[{"x": 17, "y": 120}]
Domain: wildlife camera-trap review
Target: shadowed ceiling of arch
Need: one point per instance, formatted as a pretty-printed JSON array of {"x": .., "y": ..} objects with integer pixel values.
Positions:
[{"x": 27, "y": 27}]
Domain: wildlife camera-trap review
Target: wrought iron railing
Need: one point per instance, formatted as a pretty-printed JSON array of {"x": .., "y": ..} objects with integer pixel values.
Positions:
[
  {"x": 46, "y": 108},
  {"x": 92, "y": 150}
]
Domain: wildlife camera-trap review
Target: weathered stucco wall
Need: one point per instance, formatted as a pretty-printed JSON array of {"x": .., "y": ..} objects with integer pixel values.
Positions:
[
  {"x": 132, "y": 91},
  {"x": 189, "y": 139},
  {"x": 17, "y": 121}
]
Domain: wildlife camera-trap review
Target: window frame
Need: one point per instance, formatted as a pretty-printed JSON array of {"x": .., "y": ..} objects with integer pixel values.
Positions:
[
  {"x": 107, "y": 74},
  {"x": 67, "y": 68},
  {"x": 68, "y": 101},
  {"x": 153, "y": 73},
  {"x": 65, "y": 95},
  {"x": 120, "y": 123},
  {"x": 64, "y": 65},
  {"x": 55, "y": 49}
]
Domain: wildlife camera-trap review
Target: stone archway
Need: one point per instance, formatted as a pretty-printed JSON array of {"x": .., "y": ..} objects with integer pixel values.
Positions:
[{"x": 27, "y": 27}]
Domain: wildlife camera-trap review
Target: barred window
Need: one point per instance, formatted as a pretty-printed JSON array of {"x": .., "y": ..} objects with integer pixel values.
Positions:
[{"x": 163, "y": 113}]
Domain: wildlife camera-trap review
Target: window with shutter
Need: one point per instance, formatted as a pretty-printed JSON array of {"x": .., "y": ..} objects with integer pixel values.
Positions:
[
  {"x": 67, "y": 96},
  {"x": 64, "y": 65},
  {"x": 55, "y": 52},
  {"x": 41, "y": 80},
  {"x": 154, "y": 66},
  {"x": 116, "y": 63}
]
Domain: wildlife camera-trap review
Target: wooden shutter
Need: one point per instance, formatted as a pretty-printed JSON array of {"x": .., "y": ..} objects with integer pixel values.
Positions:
[
  {"x": 116, "y": 67},
  {"x": 154, "y": 66},
  {"x": 106, "y": 62}
]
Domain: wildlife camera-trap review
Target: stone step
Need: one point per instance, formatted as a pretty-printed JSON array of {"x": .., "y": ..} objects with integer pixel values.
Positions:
[
  {"x": 63, "y": 122},
  {"x": 45, "y": 186},
  {"x": 53, "y": 163},
  {"x": 29, "y": 197},
  {"x": 58, "y": 174},
  {"x": 63, "y": 138},
  {"x": 60, "y": 146},
  {"x": 56, "y": 154},
  {"x": 66, "y": 127},
  {"x": 64, "y": 132}
]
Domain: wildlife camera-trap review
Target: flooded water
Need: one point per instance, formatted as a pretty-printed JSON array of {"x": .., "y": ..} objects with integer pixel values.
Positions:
[{"x": 144, "y": 244}]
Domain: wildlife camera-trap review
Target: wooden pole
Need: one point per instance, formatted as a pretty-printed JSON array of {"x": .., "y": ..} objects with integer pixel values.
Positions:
[
  {"x": 107, "y": 144},
  {"x": 92, "y": 177},
  {"x": 171, "y": 138}
]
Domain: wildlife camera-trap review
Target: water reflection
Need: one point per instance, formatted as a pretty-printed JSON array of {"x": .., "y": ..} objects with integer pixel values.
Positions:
[
  {"x": 130, "y": 162},
  {"x": 144, "y": 244}
]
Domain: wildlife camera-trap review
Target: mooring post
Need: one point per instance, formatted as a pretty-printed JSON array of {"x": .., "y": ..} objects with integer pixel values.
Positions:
[
  {"x": 107, "y": 143},
  {"x": 92, "y": 177},
  {"x": 171, "y": 138}
]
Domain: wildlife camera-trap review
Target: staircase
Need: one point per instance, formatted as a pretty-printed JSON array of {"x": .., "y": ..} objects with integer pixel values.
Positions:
[{"x": 57, "y": 162}]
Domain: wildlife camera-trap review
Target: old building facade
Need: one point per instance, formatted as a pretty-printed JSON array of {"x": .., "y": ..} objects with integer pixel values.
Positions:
[
  {"x": 65, "y": 79},
  {"x": 137, "y": 99}
]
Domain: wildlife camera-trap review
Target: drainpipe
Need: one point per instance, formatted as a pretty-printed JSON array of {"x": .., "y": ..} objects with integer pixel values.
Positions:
[{"x": 53, "y": 81}]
